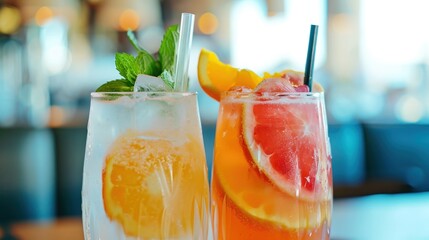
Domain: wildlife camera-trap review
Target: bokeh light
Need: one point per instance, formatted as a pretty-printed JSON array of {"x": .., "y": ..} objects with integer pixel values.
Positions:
[
  {"x": 54, "y": 46},
  {"x": 57, "y": 116},
  {"x": 10, "y": 19},
  {"x": 129, "y": 19},
  {"x": 43, "y": 14},
  {"x": 208, "y": 23},
  {"x": 409, "y": 109}
]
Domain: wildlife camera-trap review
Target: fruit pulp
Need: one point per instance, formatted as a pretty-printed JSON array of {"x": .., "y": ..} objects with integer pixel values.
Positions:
[{"x": 251, "y": 202}]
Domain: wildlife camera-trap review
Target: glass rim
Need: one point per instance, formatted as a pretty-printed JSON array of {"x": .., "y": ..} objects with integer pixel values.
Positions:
[
  {"x": 256, "y": 95},
  {"x": 141, "y": 94}
]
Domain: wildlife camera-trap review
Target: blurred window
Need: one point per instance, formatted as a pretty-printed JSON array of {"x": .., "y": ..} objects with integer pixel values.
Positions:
[
  {"x": 395, "y": 56},
  {"x": 263, "y": 40}
]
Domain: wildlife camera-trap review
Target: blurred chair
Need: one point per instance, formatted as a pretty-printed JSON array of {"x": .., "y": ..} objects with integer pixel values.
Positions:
[
  {"x": 348, "y": 153},
  {"x": 27, "y": 179},
  {"x": 398, "y": 153},
  {"x": 70, "y": 154}
]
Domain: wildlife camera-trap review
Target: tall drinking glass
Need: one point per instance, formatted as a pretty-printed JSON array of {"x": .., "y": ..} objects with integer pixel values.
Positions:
[
  {"x": 145, "y": 174},
  {"x": 272, "y": 167}
]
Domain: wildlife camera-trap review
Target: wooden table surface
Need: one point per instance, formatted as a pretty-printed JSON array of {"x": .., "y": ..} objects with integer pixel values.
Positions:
[
  {"x": 61, "y": 229},
  {"x": 378, "y": 217}
]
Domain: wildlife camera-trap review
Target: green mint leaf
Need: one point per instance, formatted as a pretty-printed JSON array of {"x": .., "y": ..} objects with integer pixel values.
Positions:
[
  {"x": 168, "y": 48},
  {"x": 133, "y": 40},
  {"x": 119, "y": 85},
  {"x": 158, "y": 66},
  {"x": 167, "y": 77},
  {"x": 147, "y": 64},
  {"x": 127, "y": 66}
]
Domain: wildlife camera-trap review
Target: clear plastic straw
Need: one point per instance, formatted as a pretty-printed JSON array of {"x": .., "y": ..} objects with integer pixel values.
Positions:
[{"x": 181, "y": 61}]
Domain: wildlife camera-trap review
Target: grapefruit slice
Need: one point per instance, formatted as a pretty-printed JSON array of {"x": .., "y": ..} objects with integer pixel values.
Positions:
[{"x": 286, "y": 142}]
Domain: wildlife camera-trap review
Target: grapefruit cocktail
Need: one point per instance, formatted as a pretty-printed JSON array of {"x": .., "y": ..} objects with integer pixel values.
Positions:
[{"x": 271, "y": 176}]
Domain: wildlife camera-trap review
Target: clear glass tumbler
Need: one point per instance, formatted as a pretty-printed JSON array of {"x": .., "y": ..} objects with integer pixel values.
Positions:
[
  {"x": 272, "y": 174},
  {"x": 145, "y": 172}
]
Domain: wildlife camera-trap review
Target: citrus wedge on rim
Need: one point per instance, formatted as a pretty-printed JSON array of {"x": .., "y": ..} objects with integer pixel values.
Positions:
[
  {"x": 216, "y": 77},
  {"x": 285, "y": 140}
]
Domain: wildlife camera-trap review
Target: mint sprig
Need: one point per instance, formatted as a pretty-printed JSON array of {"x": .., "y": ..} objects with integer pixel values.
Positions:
[
  {"x": 168, "y": 47},
  {"x": 158, "y": 65}
]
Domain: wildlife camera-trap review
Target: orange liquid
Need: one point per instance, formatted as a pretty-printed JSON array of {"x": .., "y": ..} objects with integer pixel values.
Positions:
[
  {"x": 156, "y": 188},
  {"x": 246, "y": 204}
]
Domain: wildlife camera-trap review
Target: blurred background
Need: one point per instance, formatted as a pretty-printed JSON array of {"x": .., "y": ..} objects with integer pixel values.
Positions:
[
  {"x": 372, "y": 58},
  {"x": 373, "y": 63}
]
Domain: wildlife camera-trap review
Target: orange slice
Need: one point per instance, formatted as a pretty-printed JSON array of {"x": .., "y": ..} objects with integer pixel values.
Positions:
[
  {"x": 264, "y": 202},
  {"x": 286, "y": 143},
  {"x": 151, "y": 184},
  {"x": 216, "y": 77}
]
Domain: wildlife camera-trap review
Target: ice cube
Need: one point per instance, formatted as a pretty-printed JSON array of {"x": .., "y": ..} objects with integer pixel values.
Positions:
[
  {"x": 241, "y": 89},
  {"x": 275, "y": 85},
  {"x": 146, "y": 83}
]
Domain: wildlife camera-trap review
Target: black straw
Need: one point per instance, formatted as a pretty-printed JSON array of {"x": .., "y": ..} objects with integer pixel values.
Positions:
[{"x": 309, "y": 65}]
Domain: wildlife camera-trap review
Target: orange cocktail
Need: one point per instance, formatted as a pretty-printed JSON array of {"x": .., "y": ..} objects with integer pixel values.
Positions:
[
  {"x": 145, "y": 174},
  {"x": 272, "y": 174}
]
